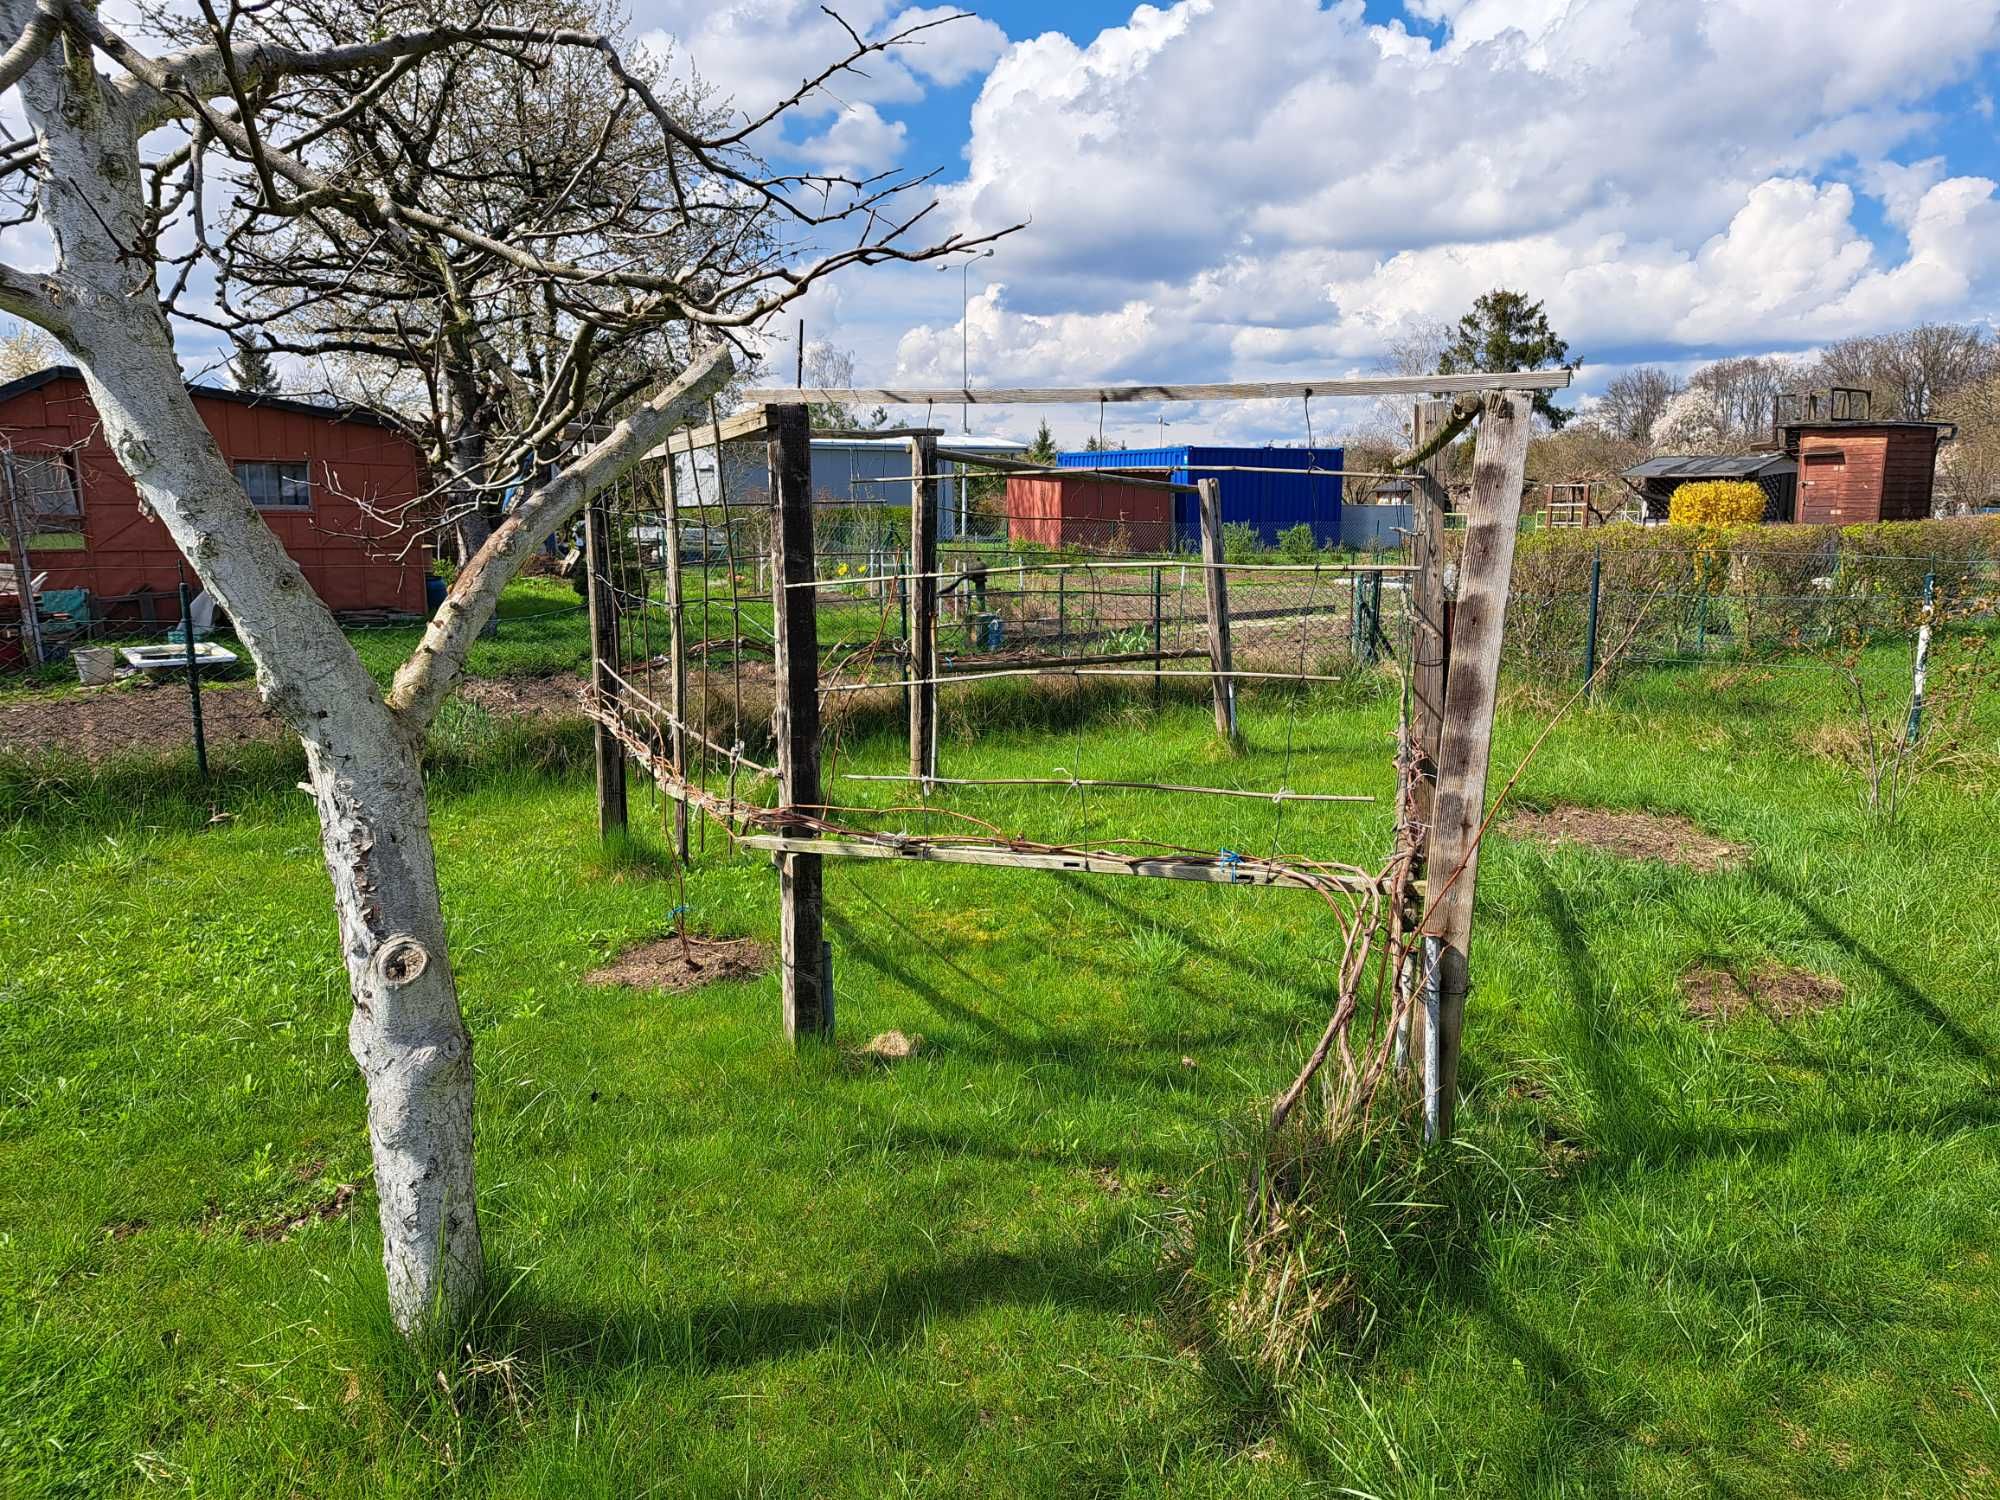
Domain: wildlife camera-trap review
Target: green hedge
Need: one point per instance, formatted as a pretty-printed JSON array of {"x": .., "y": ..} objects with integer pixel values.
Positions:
[{"x": 1782, "y": 588}]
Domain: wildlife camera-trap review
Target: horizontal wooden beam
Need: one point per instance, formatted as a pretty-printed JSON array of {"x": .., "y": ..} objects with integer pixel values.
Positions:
[
  {"x": 1068, "y": 782},
  {"x": 1270, "y": 390},
  {"x": 742, "y": 427},
  {"x": 1215, "y": 871}
]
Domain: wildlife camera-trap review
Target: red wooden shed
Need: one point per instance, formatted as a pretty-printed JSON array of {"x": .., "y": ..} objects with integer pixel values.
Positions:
[
  {"x": 1086, "y": 511},
  {"x": 1855, "y": 469},
  {"x": 329, "y": 481}
]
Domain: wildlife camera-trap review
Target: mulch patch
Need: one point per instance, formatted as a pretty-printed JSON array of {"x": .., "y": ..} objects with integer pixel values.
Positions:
[
  {"x": 1716, "y": 996},
  {"x": 668, "y": 963},
  {"x": 1629, "y": 835}
]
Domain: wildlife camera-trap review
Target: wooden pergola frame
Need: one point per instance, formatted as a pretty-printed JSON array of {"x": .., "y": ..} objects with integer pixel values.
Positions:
[{"x": 1455, "y": 668}]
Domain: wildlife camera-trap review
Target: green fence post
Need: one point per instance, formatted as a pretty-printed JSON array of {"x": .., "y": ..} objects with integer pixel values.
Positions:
[{"x": 1590, "y": 617}]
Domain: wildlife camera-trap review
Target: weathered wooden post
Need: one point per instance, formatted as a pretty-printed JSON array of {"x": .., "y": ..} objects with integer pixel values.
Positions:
[
  {"x": 677, "y": 656},
  {"x": 1430, "y": 659},
  {"x": 1486, "y": 566},
  {"x": 604, "y": 688},
  {"x": 805, "y": 971},
  {"x": 923, "y": 609},
  {"x": 1220, "y": 658},
  {"x": 17, "y": 553}
]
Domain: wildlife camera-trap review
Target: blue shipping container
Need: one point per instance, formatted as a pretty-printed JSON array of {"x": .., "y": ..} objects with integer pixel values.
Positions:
[{"x": 1270, "y": 502}]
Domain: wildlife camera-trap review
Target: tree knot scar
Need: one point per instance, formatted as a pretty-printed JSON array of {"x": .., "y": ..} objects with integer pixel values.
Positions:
[{"x": 401, "y": 960}]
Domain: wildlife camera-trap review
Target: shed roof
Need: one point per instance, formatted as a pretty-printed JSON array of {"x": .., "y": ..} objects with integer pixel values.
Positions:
[
  {"x": 39, "y": 378},
  {"x": 1713, "y": 466}
]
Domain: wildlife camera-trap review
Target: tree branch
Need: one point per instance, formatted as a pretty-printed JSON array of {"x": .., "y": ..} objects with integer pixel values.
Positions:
[{"x": 427, "y": 678}]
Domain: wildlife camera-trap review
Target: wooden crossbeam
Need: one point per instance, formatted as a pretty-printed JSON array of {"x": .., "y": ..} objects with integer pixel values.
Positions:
[
  {"x": 1368, "y": 385},
  {"x": 1216, "y": 871},
  {"x": 754, "y": 423}
]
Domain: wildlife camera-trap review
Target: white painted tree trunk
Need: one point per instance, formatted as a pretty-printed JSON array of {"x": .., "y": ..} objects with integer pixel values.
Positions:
[
  {"x": 363, "y": 750},
  {"x": 406, "y": 1033}
]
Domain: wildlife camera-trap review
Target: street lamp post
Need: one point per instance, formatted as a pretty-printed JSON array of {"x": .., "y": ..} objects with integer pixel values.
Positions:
[{"x": 965, "y": 335}]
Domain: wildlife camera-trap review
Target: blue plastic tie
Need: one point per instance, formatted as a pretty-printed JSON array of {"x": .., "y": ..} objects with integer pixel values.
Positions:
[{"x": 679, "y": 911}]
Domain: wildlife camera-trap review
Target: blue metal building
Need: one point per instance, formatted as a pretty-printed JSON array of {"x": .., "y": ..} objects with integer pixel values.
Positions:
[{"x": 1270, "y": 502}]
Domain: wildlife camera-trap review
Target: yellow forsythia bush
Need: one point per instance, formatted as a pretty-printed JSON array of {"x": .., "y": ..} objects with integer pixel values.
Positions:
[{"x": 1717, "y": 502}]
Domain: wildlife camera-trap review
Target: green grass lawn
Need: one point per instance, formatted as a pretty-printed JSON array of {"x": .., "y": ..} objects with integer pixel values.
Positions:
[{"x": 1747, "y": 1261}]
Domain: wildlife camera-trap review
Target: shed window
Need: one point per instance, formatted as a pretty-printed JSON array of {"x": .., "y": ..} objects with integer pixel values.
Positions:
[
  {"x": 1827, "y": 456},
  {"x": 275, "y": 486},
  {"x": 46, "y": 489}
]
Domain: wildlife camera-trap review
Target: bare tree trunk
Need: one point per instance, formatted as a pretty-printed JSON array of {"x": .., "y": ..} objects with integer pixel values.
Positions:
[{"x": 465, "y": 498}]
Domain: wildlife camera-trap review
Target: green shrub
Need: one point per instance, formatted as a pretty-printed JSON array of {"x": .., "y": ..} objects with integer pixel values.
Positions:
[
  {"x": 1763, "y": 588},
  {"x": 1298, "y": 544},
  {"x": 1240, "y": 542}
]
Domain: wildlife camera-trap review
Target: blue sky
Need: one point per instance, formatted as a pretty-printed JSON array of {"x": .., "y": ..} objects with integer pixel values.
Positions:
[{"x": 1286, "y": 189}]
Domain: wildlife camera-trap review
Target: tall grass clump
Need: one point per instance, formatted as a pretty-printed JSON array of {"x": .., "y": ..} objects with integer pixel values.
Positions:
[{"x": 1307, "y": 1247}]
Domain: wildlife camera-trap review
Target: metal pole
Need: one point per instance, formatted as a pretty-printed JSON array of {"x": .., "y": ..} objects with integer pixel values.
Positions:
[
  {"x": 194, "y": 676},
  {"x": 1062, "y": 612},
  {"x": 1915, "y": 728},
  {"x": 1590, "y": 619},
  {"x": 1374, "y": 614},
  {"x": 1158, "y": 681}
]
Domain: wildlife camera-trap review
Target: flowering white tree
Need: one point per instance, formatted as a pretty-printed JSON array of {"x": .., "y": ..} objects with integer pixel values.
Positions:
[{"x": 1692, "y": 421}]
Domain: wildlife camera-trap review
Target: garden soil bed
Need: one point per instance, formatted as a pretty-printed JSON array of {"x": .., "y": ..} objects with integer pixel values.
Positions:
[
  {"x": 669, "y": 964},
  {"x": 132, "y": 718},
  {"x": 1629, "y": 835},
  {"x": 1716, "y": 997}
]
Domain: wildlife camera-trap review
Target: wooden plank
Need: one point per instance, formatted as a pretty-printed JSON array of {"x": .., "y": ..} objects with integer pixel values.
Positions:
[
  {"x": 1216, "y": 585},
  {"x": 676, "y": 661},
  {"x": 1493, "y": 516},
  {"x": 1217, "y": 871},
  {"x": 604, "y": 679},
  {"x": 743, "y": 427},
  {"x": 921, "y": 665},
  {"x": 805, "y": 984},
  {"x": 1270, "y": 390},
  {"x": 1283, "y": 794}
]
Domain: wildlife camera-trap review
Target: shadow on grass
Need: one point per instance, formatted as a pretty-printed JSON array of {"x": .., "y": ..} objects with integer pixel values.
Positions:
[{"x": 1961, "y": 1040}]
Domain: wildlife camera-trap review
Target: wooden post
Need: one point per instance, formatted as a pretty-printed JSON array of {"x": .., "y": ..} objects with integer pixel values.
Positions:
[
  {"x": 1430, "y": 659},
  {"x": 1220, "y": 658},
  {"x": 1493, "y": 518},
  {"x": 677, "y": 656},
  {"x": 923, "y": 660},
  {"x": 805, "y": 972},
  {"x": 17, "y": 552},
  {"x": 597, "y": 552}
]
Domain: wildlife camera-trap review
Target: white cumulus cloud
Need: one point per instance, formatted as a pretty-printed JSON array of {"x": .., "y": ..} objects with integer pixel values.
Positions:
[{"x": 1254, "y": 186}]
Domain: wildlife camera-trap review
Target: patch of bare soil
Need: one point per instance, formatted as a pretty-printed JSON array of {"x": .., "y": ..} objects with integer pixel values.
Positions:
[
  {"x": 1629, "y": 835},
  {"x": 1716, "y": 997},
  {"x": 333, "y": 1206},
  {"x": 132, "y": 717},
  {"x": 527, "y": 697},
  {"x": 668, "y": 963}
]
